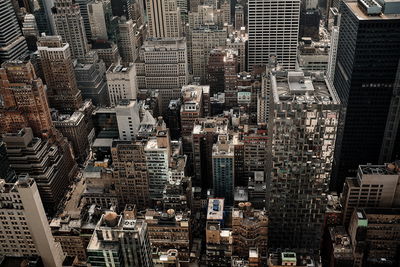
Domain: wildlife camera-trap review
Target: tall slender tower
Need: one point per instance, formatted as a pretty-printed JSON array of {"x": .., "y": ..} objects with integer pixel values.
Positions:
[
  {"x": 164, "y": 18},
  {"x": 58, "y": 70},
  {"x": 24, "y": 101},
  {"x": 302, "y": 132},
  {"x": 273, "y": 29},
  {"x": 69, "y": 25},
  {"x": 366, "y": 78},
  {"x": 12, "y": 43}
]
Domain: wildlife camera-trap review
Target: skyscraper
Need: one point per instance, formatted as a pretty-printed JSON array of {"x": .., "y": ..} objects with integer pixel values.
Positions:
[
  {"x": 122, "y": 83},
  {"x": 69, "y": 25},
  {"x": 12, "y": 43},
  {"x": 58, "y": 70},
  {"x": 21, "y": 206},
  {"x": 164, "y": 18},
  {"x": 302, "y": 133},
  {"x": 24, "y": 100},
  {"x": 128, "y": 41},
  {"x": 366, "y": 79},
  {"x": 273, "y": 27}
]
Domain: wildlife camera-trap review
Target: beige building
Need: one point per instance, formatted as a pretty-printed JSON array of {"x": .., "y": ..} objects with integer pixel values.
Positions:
[
  {"x": 374, "y": 186},
  {"x": 122, "y": 83},
  {"x": 24, "y": 229},
  {"x": 129, "y": 40},
  {"x": 164, "y": 18}
]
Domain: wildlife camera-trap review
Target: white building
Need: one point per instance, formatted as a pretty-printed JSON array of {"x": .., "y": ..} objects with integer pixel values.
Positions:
[
  {"x": 122, "y": 83},
  {"x": 158, "y": 151},
  {"x": 127, "y": 118},
  {"x": 164, "y": 18},
  {"x": 24, "y": 229},
  {"x": 273, "y": 27}
]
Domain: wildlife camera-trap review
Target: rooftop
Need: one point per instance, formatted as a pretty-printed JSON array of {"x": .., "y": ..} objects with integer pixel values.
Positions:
[
  {"x": 357, "y": 10},
  {"x": 215, "y": 209}
]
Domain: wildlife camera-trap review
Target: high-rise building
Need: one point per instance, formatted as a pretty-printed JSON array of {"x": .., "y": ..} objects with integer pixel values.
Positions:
[
  {"x": 128, "y": 119},
  {"x": 99, "y": 12},
  {"x": 239, "y": 17},
  {"x": 366, "y": 82},
  {"x": 12, "y": 43},
  {"x": 192, "y": 107},
  {"x": 226, "y": 11},
  {"x": 24, "y": 100},
  {"x": 238, "y": 42},
  {"x": 313, "y": 56},
  {"x": 223, "y": 168},
  {"x": 50, "y": 165},
  {"x": 122, "y": 83},
  {"x": 30, "y": 31},
  {"x": 249, "y": 230},
  {"x": 58, "y": 70},
  {"x": 158, "y": 152},
  {"x": 204, "y": 135},
  {"x": 164, "y": 18},
  {"x": 273, "y": 27},
  {"x": 170, "y": 230},
  {"x": 84, "y": 9},
  {"x": 173, "y": 118},
  {"x": 302, "y": 132},
  {"x": 69, "y": 25},
  {"x": 107, "y": 51},
  {"x": 121, "y": 240},
  {"x": 203, "y": 41},
  {"x": 130, "y": 173},
  {"x": 90, "y": 73},
  {"x": 163, "y": 65},
  {"x": 374, "y": 186},
  {"x": 21, "y": 207},
  {"x": 128, "y": 41}
]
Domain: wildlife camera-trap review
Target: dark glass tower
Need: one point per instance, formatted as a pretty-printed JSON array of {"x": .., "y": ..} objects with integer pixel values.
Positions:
[{"x": 366, "y": 80}]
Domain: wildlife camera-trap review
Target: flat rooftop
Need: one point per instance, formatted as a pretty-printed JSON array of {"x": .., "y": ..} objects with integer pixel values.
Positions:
[
  {"x": 361, "y": 15},
  {"x": 215, "y": 209},
  {"x": 298, "y": 88}
]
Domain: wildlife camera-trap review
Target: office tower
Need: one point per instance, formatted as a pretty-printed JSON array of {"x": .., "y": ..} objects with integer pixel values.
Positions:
[
  {"x": 128, "y": 119},
  {"x": 204, "y": 135},
  {"x": 337, "y": 249},
  {"x": 30, "y": 233},
  {"x": 99, "y": 13},
  {"x": 84, "y": 9},
  {"x": 366, "y": 82},
  {"x": 6, "y": 173},
  {"x": 50, "y": 165},
  {"x": 309, "y": 23},
  {"x": 373, "y": 234},
  {"x": 58, "y": 70},
  {"x": 226, "y": 11},
  {"x": 30, "y": 31},
  {"x": 183, "y": 8},
  {"x": 121, "y": 82},
  {"x": 192, "y": 107},
  {"x": 218, "y": 239},
  {"x": 334, "y": 29},
  {"x": 269, "y": 34},
  {"x": 136, "y": 12},
  {"x": 164, "y": 18},
  {"x": 239, "y": 17},
  {"x": 24, "y": 100},
  {"x": 374, "y": 186},
  {"x": 105, "y": 123},
  {"x": 44, "y": 18},
  {"x": 255, "y": 140},
  {"x": 301, "y": 144},
  {"x": 173, "y": 118},
  {"x": 256, "y": 189},
  {"x": 222, "y": 71},
  {"x": 177, "y": 192},
  {"x": 170, "y": 230},
  {"x": 162, "y": 65},
  {"x": 69, "y": 25},
  {"x": 249, "y": 230},
  {"x": 158, "y": 151},
  {"x": 238, "y": 43},
  {"x": 12, "y": 43},
  {"x": 130, "y": 173},
  {"x": 90, "y": 73},
  {"x": 313, "y": 56},
  {"x": 119, "y": 240},
  {"x": 128, "y": 41},
  {"x": 203, "y": 41},
  {"x": 223, "y": 163},
  {"x": 74, "y": 128}
]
